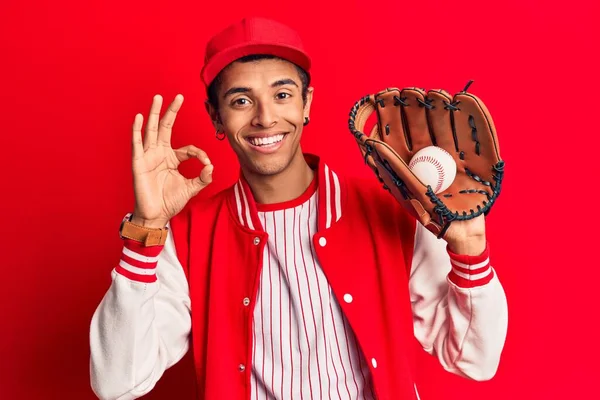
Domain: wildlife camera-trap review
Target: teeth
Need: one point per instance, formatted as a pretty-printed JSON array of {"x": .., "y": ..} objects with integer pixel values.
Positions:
[{"x": 266, "y": 141}]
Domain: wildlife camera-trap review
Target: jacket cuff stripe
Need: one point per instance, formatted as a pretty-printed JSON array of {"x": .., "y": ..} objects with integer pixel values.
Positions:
[
  {"x": 471, "y": 270},
  {"x": 472, "y": 265},
  {"x": 140, "y": 252},
  {"x": 467, "y": 281},
  {"x": 135, "y": 277},
  {"x": 136, "y": 270},
  {"x": 473, "y": 277},
  {"x": 136, "y": 262}
]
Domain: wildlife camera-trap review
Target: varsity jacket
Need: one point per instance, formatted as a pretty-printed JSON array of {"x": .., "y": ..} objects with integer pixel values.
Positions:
[{"x": 197, "y": 293}]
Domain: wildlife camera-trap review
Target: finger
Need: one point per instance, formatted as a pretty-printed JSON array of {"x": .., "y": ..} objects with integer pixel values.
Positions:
[
  {"x": 476, "y": 135},
  {"x": 440, "y": 121},
  {"x": 186, "y": 152},
  {"x": 137, "y": 145},
  {"x": 202, "y": 181},
  {"x": 391, "y": 122},
  {"x": 152, "y": 126},
  {"x": 415, "y": 107},
  {"x": 166, "y": 123}
]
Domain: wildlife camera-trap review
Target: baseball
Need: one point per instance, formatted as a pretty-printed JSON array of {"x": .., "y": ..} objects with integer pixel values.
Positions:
[{"x": 434, "y": 166}]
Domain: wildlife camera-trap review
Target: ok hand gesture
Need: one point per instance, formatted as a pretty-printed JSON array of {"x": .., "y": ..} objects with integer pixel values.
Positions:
[{"x": 160, "y": 190}]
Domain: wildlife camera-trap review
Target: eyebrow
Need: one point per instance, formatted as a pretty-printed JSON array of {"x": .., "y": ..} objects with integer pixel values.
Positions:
[
  {"x": 280, "y": 82},
  {"x": 235, "y": 90},
  {"x": 283, "y": 82}
]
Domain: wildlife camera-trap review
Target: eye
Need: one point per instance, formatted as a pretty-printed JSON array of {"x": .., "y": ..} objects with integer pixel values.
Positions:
[
  {"x": 283, "y": 95},
  {"x": 242, "y": 101}
]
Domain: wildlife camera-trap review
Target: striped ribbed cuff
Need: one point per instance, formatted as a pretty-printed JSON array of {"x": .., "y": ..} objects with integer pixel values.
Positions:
[
  {"x": 138, "y": 262},
  {"x": 470, "y": 271}
]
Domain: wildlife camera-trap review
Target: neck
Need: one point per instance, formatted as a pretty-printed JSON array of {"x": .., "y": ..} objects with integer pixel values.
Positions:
[{"x": 287, "y": 185}]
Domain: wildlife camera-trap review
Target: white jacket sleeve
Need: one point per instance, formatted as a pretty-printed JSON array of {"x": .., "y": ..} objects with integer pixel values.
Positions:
[
  {"x": 142, "y": 325},
  {"x": 460, "y": 311}
]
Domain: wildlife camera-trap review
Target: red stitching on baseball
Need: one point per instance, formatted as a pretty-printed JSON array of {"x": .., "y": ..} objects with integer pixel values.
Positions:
[{"x": 436, "y": 163}]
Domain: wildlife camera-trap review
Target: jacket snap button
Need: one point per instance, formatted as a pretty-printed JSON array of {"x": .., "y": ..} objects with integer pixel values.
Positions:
[
  {"x": 374, "y": 362},
  {"x": 256, "y": 240},
  {"x": 322, "y": 242},
  {"x": 246, "y": 301},
  {"x": 348, "y": 298},
  {"x": 242, "y": 367}
]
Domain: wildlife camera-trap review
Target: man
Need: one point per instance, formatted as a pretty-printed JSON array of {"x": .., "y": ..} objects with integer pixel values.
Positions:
[{"x": 292, "y": 283}]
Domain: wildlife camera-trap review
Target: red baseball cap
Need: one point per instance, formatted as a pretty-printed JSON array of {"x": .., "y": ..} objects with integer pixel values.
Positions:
[{"x": 250, "y": 36}]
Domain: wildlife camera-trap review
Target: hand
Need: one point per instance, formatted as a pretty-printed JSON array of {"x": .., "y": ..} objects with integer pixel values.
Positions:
[
  {"x": 467, "y": 237},
  {"x": 160, "y": 190}
]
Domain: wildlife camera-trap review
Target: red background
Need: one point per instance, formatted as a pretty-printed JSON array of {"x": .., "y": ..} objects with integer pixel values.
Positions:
[{"x": 74, "y": 75}]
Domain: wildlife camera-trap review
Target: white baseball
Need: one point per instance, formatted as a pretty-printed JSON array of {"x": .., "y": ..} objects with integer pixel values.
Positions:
[{"x": 434, "y": 166}]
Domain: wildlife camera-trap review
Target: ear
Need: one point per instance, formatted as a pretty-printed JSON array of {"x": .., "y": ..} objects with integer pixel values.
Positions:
[
  {"x": 309, "y": 97},
  {"x": 214, "y": 116}
]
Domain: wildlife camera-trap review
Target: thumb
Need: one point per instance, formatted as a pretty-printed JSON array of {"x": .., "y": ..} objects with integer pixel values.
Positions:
[
  {"x": 425, "y": 218},
  {"x": 203, "y": 180}
]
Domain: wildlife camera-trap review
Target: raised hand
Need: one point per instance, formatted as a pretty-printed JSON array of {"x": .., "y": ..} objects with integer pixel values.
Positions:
[
  {"x": 411, "y": 119},
  {"x": 160, "y": 190}
]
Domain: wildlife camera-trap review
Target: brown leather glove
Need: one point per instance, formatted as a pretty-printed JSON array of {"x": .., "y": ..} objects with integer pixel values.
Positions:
[{"x": 410, "y": 119}]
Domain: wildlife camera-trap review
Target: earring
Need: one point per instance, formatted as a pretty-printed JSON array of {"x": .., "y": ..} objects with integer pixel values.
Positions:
[
  {"x": 306, "y": 121},
  {"x": 219, "y": 135}
]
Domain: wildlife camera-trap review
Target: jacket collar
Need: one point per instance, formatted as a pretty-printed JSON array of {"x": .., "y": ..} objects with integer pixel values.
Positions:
[{"x": 330, "y": 198}]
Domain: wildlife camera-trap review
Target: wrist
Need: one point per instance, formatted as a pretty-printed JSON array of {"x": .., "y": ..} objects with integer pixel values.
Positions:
[
  {"x": 148, "y": 223},
  {"x": 471, "y": 246}
]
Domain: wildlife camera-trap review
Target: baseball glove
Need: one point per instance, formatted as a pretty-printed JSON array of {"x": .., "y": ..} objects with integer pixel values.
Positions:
[{"x": 411, "y": 119}]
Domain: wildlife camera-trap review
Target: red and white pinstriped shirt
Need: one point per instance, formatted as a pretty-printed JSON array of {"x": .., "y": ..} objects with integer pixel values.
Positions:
[{"x": 304, "y": 347}]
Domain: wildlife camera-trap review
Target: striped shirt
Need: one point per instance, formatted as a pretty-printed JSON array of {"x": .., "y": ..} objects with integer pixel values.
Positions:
[{"x": 303, "y": 347}]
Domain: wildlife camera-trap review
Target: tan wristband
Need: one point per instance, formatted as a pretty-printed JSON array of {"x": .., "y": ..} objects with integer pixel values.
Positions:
[{"x": 148, "y": 236}]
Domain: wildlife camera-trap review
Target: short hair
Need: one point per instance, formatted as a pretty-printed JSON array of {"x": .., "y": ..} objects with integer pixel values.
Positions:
[{"x": 213, "y": 88}]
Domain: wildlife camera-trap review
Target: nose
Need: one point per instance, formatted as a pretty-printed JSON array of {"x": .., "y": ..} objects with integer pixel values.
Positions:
[{"x": 265, "y": 116}]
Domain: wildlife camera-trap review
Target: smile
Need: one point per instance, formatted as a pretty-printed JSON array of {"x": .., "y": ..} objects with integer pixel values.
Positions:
[
  {"x": 266, "y": 144},
  {"x": 266, "y": 141}
]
